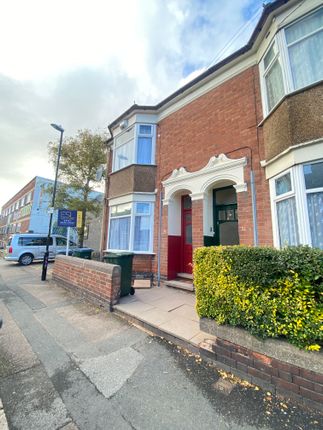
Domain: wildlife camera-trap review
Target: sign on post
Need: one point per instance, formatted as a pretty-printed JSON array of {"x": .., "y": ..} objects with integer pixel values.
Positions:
[
  {"x": 66, "y": 218},
  {"x": 79, "y": 219}
]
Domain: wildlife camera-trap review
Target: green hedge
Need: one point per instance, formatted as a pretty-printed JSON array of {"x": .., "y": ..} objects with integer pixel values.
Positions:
[{"x": 269, "y": 292}]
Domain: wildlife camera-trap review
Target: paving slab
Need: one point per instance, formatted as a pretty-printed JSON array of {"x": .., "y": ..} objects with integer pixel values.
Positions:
[
  {"x": 181, "y": 327},
  {"x": 135, "y": 308},
  {"x": 186, "y": 311}
]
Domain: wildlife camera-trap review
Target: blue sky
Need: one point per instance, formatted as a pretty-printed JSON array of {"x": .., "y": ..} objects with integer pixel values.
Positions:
[{"x": 82, "y": 63}]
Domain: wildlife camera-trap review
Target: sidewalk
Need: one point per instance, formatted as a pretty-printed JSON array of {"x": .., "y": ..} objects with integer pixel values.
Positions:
[{"x": 164, "y": 310}]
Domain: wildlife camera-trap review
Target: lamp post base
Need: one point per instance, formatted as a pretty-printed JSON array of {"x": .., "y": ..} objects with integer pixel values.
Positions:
[{"x": 45, "y": 264}]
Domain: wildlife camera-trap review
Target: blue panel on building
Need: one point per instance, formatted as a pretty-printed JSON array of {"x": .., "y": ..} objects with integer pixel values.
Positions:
[{"x": 66, "y": 218}]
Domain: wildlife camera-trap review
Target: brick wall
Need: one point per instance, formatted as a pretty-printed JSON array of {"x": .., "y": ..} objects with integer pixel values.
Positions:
[
  {"x": 98, "y": 282},
  {"x": 273, "y": 364},
  {"x": 225, "y": 121},
  {"x": 142, "y": 264},
  {"x": 277, "y": 376}
]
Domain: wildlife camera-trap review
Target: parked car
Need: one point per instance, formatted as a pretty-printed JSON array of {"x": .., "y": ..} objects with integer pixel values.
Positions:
[{"x": 27, "y": 247}]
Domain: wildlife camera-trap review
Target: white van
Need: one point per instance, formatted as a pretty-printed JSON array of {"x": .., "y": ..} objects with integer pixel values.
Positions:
[{"x": 27, "y": 247}]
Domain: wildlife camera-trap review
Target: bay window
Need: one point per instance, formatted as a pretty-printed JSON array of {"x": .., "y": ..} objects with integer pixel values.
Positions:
[
  {"x": 120, "y": 218},
  {"x": 294, "y": 60},
  {"x": 131, "y": 227},
  {"x": 136, "y": 145},
  {"x": 297, "y": 206}
]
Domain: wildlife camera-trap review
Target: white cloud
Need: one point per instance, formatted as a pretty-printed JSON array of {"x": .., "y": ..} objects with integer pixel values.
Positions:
[{"x": 81, "y": 63}]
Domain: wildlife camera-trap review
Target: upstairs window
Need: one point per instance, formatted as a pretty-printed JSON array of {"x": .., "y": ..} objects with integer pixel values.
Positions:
[
  {"x": 123, "y": 149},
  {"x": 294, "y": 60},
  {"x": 134, "y": 146},
  {"x": 144, "y": 144}
]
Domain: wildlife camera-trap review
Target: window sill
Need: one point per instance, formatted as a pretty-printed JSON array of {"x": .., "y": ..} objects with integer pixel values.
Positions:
[
  {"x": 134, "y": 252},
  {"x": 130, "y": 165}
]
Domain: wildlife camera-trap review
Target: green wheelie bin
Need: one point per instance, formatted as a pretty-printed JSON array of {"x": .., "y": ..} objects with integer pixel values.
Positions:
[
  {"x": 83, "y": 253},
  {"x": 124, "y": 260}
]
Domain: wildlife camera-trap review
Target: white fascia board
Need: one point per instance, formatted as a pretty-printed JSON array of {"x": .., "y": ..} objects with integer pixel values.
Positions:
[
  {"x": 217, "y": 78},
  {"x": 298, "y": 154},
  {"x": 134, "y": 197},
  {"x": 138, "y": 116}
]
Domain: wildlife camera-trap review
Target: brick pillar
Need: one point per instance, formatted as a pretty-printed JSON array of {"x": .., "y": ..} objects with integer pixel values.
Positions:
[
  {"x": 197, "y": 223},
  {"x": 245, "y": 218}
]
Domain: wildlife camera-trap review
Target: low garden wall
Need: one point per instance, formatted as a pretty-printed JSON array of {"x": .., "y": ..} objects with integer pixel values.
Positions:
[
  {"x": 98, "y": 282},
  {"x": 272, "y": 364},
  {"x": 265, "y": 307}
]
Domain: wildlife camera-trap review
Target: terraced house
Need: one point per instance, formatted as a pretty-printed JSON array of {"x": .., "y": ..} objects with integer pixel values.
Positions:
[{"x": 233, "y": 157}]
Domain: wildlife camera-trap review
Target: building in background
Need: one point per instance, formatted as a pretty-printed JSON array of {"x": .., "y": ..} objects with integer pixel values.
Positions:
[
  {"x": 233, "y": 157},
  {"x": 27, "y": 211}
]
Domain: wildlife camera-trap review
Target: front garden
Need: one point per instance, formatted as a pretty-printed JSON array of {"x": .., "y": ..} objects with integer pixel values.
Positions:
[{"x": 269, "y": 292}]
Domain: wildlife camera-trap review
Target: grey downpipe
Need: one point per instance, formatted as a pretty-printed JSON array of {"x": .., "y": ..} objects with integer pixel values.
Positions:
[
  {"x": 254, "y": 208},
  {"x": 159, "y": 237}
]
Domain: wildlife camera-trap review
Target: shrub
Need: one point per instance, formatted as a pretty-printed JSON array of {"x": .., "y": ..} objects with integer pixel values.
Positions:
[{"x": 269, "y": 292}]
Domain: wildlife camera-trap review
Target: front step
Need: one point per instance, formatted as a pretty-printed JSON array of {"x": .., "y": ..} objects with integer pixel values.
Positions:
[
  {"x": 181, "y": 285},
  {"x": 185, "y": 276}
]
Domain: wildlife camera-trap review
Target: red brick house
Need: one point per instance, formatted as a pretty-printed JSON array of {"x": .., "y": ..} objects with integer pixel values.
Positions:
[{"x": 233, "y": 157}]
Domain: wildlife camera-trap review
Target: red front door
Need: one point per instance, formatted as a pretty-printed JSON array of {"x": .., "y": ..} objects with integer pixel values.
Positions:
[{"x": 186, "y": 234}]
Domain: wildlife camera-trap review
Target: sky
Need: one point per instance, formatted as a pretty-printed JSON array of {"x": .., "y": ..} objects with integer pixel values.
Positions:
[{"x": 81, "y": 63}]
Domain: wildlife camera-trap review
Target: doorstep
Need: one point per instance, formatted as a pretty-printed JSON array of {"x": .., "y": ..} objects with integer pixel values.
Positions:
[{"x": 166, "y": 312}]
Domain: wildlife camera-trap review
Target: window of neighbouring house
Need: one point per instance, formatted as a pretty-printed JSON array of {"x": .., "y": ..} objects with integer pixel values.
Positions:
[
  {"x": 134, "y": 146},
  {"x": 131, "y": 226},
  {"x": 286, "y": 211},
  {"x": 294, "y": 60},
  {"x": 297, "y": 198},
  {"x": 305, "y": 49},
  {"x": 313, "y": 175},
  {"x": 273, "y": 77}
]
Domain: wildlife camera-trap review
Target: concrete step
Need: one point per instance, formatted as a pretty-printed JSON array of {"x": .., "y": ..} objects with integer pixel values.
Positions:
[
  {"x": 181, "y": 285},
  {"x": 185, "y": 276}
]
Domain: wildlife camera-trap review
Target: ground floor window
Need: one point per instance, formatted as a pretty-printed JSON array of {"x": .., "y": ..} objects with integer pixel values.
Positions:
[
  {"x": 131, "y": 227},
  {"x": 297, "y": 205}
]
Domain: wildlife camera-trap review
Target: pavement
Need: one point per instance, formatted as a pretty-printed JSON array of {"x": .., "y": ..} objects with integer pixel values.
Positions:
[{"x": 66, "y": 364}]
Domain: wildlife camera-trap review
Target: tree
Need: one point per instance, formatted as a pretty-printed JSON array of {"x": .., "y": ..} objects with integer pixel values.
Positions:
[{"x": 81, "y": 158}]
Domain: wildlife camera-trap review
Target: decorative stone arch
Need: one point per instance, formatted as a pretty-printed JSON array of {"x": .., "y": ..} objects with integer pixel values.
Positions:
[
  {"x": 218, "y": 170},
  {"x": 177, "y": 189}
]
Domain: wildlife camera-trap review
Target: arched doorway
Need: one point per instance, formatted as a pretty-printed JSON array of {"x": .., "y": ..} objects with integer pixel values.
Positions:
[{"x": 180, "y": 238}]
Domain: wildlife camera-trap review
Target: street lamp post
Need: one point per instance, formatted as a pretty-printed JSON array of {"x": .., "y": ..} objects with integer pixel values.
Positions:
[{"x": 46, "y": 255}]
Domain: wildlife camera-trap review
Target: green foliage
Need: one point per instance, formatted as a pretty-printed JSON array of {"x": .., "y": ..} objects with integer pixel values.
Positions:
[
  {"x": 81, "y": 157},
  {"x": 269, "y": 292}
]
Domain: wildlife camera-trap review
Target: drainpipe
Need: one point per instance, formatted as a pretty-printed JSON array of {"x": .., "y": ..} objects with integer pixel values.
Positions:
[
  {"x": 254, "y": 208},
  {"x": 159, "y": 236}
]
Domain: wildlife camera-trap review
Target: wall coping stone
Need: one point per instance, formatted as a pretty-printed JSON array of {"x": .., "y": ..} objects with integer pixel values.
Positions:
[
  {"x": 98, "y": 266},
  {"x": 275, "y": 348}
]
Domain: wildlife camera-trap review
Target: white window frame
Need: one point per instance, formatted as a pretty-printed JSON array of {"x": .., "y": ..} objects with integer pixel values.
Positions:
[
  {"x": 152, "y": 135},
  {"x": 298, "y": 191},
  {"x": 134, "y": 151},
  {"x": 283, "y": 57},
  {"x": 133, "y": 199}
]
